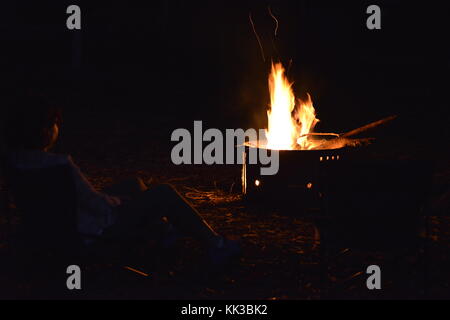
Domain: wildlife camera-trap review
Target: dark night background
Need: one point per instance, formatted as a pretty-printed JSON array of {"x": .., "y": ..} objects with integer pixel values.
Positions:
[
  {"x": 200, "y": 59},
  {"x": 137, "y": 70}
]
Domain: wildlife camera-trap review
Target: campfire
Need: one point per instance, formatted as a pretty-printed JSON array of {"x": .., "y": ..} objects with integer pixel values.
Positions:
[
  {"x": 291, "y": 121},
  {"x": 290, "y": 130}
]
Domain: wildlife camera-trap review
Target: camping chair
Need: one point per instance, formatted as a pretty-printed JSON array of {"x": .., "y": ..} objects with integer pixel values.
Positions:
[{"x": 46, "y": 241}]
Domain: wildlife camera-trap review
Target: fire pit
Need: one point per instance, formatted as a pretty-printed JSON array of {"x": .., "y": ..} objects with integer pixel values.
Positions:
[
  {"x": 301, "y": 179},
  {"x": 303, "y": 154}
]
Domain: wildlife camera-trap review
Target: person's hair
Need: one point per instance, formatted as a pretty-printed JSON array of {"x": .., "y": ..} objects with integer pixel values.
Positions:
[{"x": 27, "y": 122}]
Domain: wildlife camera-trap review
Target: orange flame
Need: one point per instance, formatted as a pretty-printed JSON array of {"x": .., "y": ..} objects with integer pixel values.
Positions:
[{"x": 288, "y": 124}]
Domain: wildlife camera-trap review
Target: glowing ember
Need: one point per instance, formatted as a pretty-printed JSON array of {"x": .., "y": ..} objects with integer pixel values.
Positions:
[{"x": 288, "y": 123}]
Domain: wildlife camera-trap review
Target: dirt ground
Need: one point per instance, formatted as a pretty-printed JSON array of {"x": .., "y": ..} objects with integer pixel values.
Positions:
[{"x": 281, "y": 251}]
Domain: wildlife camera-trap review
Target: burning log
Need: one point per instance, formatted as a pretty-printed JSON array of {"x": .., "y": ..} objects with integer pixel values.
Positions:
[
  {"x": 368, "y": 127},
  {"x": 341, "y": 142},
  {"x": 344, "y": 140}
]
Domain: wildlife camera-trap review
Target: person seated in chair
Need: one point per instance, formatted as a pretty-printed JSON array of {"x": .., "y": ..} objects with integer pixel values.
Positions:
[{"x": 124, "y": 210}]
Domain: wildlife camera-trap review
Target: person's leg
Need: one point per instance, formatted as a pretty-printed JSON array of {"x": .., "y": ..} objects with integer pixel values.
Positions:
[
  {"x": 164, "y": 201},
  {"x": 127, "y": 188},
  {"x": 143, "y": 216}
]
